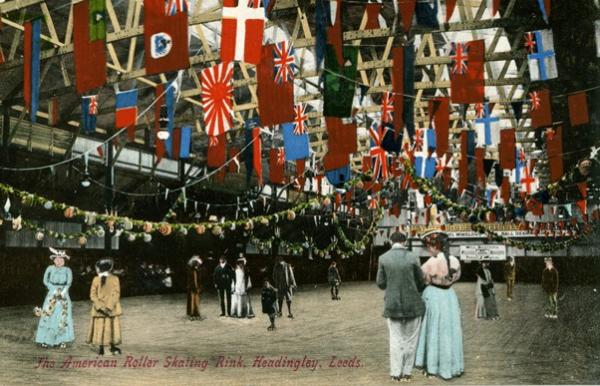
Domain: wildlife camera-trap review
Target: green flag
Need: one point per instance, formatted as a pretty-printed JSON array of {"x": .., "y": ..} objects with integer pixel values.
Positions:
[
  {"x": 97, "y": 9},
  {"x": 340, "y": 83}
]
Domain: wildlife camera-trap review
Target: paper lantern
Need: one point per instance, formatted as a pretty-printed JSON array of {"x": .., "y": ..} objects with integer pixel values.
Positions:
[
  {"x": 131, "y": 237},
  {"x": 147, "y": 227},
  {"x": 291, "y": 215},
  {"x": 69, "y": 212},
  {"x": 200, "y": 229},
  {"x": 216, "y": 230},
  {"x": 165, "y": 229},
  {"x": 82, "y": 241},
  {"x": 127, "y": 224},
  {"x": 39, "y": 235},
  {"x": 147, "y": 237},
  {"x": 48, "y": 205}
]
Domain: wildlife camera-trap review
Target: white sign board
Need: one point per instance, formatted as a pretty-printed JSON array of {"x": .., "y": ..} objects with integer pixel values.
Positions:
[{"x": 485, "y": 252}]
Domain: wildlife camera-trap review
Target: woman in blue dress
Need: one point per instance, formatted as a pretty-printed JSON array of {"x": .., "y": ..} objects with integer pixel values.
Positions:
[
  {"x": 56, "y": 315},
  {"x": 440, "y": 348}
]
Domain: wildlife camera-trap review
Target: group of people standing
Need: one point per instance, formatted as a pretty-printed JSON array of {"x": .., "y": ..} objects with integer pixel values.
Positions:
[{"x": 55, "y": 327}]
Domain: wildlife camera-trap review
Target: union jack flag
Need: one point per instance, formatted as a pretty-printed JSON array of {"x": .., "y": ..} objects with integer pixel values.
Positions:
[
  {"x": 217, "y": 90},
  {"x": 280, "y": 156},
  {"x": 418, "y": 142},
  {"x": 535, "y": 100},
  {"x": 479, "y": 110},
  {"x": 459, "y": 55},
  {"x": 379, "y": 157},
  {"x": 387, "y": 107},
  {"x": 530, "y": 42},
  {"x": 93, "y": 106},
  {"x": 300, "y": 119},
  {"x": 443, "y": 163},
  {"x": 284, "y": 62},
  {"x": 173, "y": 7}
]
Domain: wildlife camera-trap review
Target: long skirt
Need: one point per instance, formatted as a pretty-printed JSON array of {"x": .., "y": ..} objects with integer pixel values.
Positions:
[
  {"x": 56, "y": 323},
  {"x": 491, "y": 308},
  {"x": 193, "y": 303},
  {"x": 440, "y": 348},
  {"x": 480, "y": 307},
  {"x": 105, "y": 331},
  {"x": 240, "y": 305}
]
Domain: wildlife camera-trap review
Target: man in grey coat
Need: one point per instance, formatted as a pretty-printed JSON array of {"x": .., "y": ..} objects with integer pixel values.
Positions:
[{"x": 399, "y": 274}]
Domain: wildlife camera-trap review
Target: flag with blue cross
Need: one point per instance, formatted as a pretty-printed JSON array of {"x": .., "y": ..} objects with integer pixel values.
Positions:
[
  {"x": 487, "y": 127},
  {"x": 541, "y": 57}
]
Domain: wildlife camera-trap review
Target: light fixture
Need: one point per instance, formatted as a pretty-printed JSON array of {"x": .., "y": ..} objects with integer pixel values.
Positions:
[
  {"x": 163, "y": 135},
  {"x": 85, "y": 181}
]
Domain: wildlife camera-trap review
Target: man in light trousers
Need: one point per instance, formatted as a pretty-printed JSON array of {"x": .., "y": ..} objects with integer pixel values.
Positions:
[{"x": 399, "y": 274}]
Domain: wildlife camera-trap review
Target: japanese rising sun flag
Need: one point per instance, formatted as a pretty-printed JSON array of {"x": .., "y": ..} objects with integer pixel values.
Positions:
[
  {"x": 242, "y": 31},
  {"x": 217, "y": 89}
]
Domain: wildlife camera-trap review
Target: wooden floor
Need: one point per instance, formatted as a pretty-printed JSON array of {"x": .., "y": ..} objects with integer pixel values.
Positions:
[{"x": 521, "y": 348}]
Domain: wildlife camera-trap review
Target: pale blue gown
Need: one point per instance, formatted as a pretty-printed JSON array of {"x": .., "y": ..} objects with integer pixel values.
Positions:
[{"x": 57, "y": 327}]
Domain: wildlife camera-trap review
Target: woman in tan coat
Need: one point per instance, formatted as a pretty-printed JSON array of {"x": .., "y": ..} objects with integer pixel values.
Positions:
[{"x": 105, "y": 294}]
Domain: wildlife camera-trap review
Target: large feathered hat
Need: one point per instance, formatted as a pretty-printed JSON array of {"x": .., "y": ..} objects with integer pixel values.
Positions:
[
  {"x": 196, "y": 259},
  {"x": 436, "y": 238},
  {"x": 54, "y": 253}
]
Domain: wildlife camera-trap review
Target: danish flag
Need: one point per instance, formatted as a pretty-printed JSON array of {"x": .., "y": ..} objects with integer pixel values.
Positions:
[
  {"x": 284, "y": 62},
  {"x": 300, "y": 119},
  {"x": 217, "y": 90},
  {"x": 242, "y": 31},
  {"x": 387, "y": 107},
  {"x": 459, "y": 56}
]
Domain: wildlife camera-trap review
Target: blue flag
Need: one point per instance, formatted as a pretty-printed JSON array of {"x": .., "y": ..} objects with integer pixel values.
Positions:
[
  {"x": 296, "y": 146},
  {"x": 426, "y": 14},
  {"x": 186, "y": 142},
  {"x": 89, "y": 113},
  {"x": 337, "y": 177}
]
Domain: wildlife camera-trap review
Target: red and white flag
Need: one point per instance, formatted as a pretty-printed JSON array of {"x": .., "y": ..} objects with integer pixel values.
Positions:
[
  {"x": 242, "y": 31},
  {"x": 217, "y": 91}
]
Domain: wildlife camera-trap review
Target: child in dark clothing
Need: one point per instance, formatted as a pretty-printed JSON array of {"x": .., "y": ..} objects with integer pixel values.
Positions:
[{"x": 269, "y": 303}]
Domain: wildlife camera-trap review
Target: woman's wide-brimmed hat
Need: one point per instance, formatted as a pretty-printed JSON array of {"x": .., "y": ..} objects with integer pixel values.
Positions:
[
  {"x": 435, "y": 237},
  {"x": 105, "y": 264},
  {"x": 54, "y": 253},
  {"x": 194, "y": 258}
]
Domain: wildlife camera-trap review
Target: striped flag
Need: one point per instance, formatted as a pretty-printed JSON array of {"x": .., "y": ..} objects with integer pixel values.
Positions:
[
  {"x": 217, "y": 93},
  {"x": 126, "y": 112}
]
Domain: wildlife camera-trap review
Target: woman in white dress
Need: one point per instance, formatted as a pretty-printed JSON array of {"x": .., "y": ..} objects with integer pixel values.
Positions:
[{"x": 240, "y": 302}]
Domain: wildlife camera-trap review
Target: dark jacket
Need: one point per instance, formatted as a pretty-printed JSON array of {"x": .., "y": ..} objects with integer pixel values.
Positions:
[
  {"x": 223, "y": 277},
  {"x": 550, "y": 280},
  {"x": 399, "y": 274},
  {"x": 283, "y": 277},
  {"x": 333, "y": 275},
  {"x": 268, "y": 300}
]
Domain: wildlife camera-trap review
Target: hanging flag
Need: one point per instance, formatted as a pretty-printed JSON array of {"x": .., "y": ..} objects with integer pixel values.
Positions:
[
  {"x": 242, "y": 31},
  {"x": 334, "y": 30},
  {"x": 321, "y": 24},
  {"x": 53, "y": 111},
  {"x": 89, "y": 40},
  {"x": 296, "y": 145},
  {"x": 387, "y": 107},
  {"x": 488, "y": 128},
  {"x": 555, "y": 154},
  {"x": 217, "y": 91},
  {"x": 180, "y": 144},
  {"x": 545, "y": 8},
  {"x": 216, "y": 152},
  {"x": 284, "y": 62},
  {"x": 341, "y": 137},
  {"x": 165, "y": 36},
  {"x": 508, "y": 144},
  {"x": 253, "y": 152},
  {"x": 234, "y": 156},
  {"x": 529, "y": 183},
  {"x": 578, "y": 109},
  {"x": 427, "y": 14},
  {"x": 300, "y": 119},
  {"x": 407, "y": 9},
  {"x": 541, "y": 108},
  {"x": 463, "y": 163},
  {"x": 379, "y": 157},
  {"x": 372, "y": 11},
  {"x": 126, "y": 112},
  {"x": 495, "y": 7},
  {"x": 517, "y": 109},
  {"x": 467, "y": 73},
  {"x": 597, "y": 28},
  {"x": 450, "y": 5},
  {"x": 542, "y": 60},
  {"x": 89, "y": 113},
  {"x": 300, "y": 170},
  {"x": 338, "y": 177},
  {"x": 276, "y": 166},
  {"x": 505, "y": 190},
  {"x": 439, "y": 114},
  {"x": 161, "y": 119},
  {"x": 275, "y": 99},
  {"x": 582, "y": 204},
  {"x": 31, "y": 66},
  {"x": 479, "y": 166},
  {"x": 424, "y": 163},
  {"x": 339, "y": 83}
]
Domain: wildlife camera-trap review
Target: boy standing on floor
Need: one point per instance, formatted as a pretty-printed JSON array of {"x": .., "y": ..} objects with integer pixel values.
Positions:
[
  {"x": 269, "y": 303},
  {"x": 550, "y": 286}
]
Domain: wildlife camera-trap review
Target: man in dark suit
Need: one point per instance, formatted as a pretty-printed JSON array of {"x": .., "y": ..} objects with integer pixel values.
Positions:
[
  {"x": 399, "y": 274},
  {"x": 284, "y": 281},
  {"x": 223, "y": 277}
]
